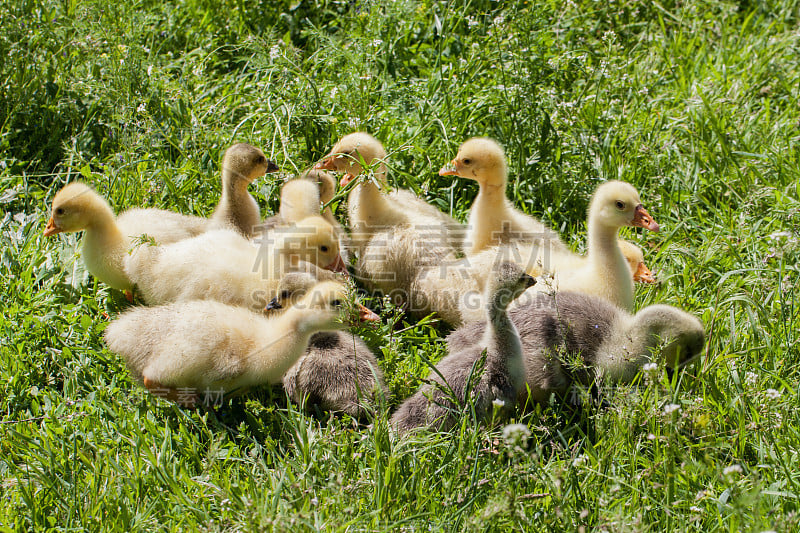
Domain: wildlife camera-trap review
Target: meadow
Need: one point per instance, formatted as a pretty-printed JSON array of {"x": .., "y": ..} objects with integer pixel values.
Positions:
[{"x": 695, "y": 103}]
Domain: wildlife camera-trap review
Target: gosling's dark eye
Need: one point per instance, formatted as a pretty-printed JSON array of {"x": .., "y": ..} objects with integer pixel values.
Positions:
[
  {"x": 60, "y": 211},
  {"x": 468, "y": 161},
  {"x": 260, "y": 160},
  {"x": 620, "y": 204},
  {"x": 284, "y": 295},
  {"x": 323, "y": 248},
  {"x": 336, "y": 303}
]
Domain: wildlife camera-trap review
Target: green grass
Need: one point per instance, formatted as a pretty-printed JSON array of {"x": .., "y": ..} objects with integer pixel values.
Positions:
[{"x": 695, "y": 103}]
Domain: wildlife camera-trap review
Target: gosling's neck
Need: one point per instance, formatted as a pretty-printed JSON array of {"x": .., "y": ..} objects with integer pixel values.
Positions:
[
  {"x": 501, "y": 338},
  {"x": 373, "y": 207},
  {"x": 281, "y": 342},
  {"x": 487, "y": 214},
  {"x": 605, "y": 257},
  {"x": 234, "y": 188},
  {"x": 103, "y": 231}
]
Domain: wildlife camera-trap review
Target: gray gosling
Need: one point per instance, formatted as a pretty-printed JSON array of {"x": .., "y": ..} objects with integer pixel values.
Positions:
[
  {"x": 241, "y": 165},
  {"x": 338, "y": 372},
  {"x": 502, "y": 377},
  {"x": 562, "y": 329}
]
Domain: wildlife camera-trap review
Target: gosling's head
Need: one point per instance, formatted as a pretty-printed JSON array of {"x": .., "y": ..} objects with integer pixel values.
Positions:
[
  {"x": 292, "y": 287},
  {"x": 76, "y": 207},
  {"x": 324, "y": 180},
  {"x": 330, "y": 305},
  {"x": 480, "y": 159},
  {"x": 351, "y": 153},
  {"x": 635, "y": 258},
  {"x": 680, "y": 335},
  {"x": 616, "y": 204},
  {"x": 507, "y": 282},
  {"x": 314, "y": 239},
  {"x": 245, "y": 162}
]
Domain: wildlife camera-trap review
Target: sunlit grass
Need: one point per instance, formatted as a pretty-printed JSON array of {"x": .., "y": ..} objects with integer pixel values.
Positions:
[{"x": 694, "y": 103}]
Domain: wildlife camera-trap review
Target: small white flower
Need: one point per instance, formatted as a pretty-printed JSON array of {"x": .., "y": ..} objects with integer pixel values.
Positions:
[
  {"x": 274, "y": 52},
  {"x": 609, "y": 36},
  {"x": 498, "y": 403},
  {"x": 772, "y": 394},
  {"x": 141, "y": 108},
  {"x": 578, "y": 461},
  {"x": 750, "y": 378},
  {"x": 671, "y": 408},
  {"x": 314, "y": 501},
  {"x": 150, "y": 70},
  {"x": 650, "y": 367},
  {"x": 516, "y": 434},
  {"x": 377, "y": 42},
  {"x": 695, "y": 509},
  {"x": 732, "y": 469},
  {"x": 780, "y": 235}
]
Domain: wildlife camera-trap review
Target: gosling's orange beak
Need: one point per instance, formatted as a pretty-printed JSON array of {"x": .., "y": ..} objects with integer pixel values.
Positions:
[
  {"x": 643, "y": 274},
  {"x": 338, "y": 265},
  {"x": 346, "y": 179},
  {"x": 51, "y": 228},
  {"x": 326, "y": 164},
  {"x": 449, "y": 169},
  {"x": 367, "y": 315},
  {"x": 642, "y": 219}
]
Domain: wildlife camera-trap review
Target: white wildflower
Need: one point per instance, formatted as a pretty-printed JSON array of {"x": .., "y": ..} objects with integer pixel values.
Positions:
[
  {"x": 750, "y": 378},
  {"x": 772, "y": 394},
  {"x": 780, "y": 235},
  {"x": 609, "y": 36},
  {"x": 671, "y": 408},
  {"x": 581, "y": 459},
  {"x": 650, "y": 367},
  {"x": 150, "y": 70},
  {"x": 498, "y": 403},
  {"x": 377, "y": 42},
  {"x": 498, "y": 20},
  {"x": 732, "y": 469},
  {"x": 516, "y": 435},
  {"x": 274, "y": 52}
]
